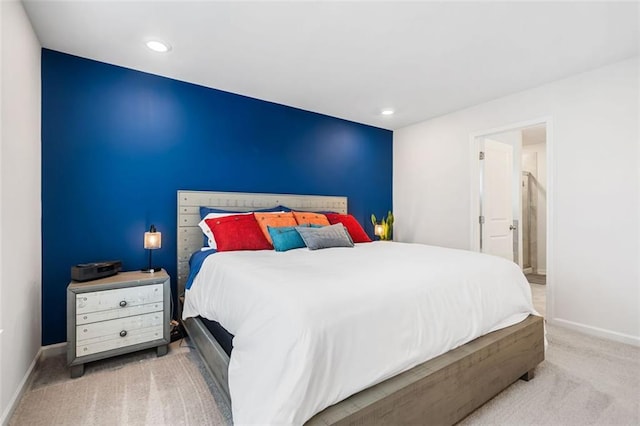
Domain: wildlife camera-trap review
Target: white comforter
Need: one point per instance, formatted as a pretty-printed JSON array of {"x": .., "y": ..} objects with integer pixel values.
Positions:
[{"x": 314, "y": 327}]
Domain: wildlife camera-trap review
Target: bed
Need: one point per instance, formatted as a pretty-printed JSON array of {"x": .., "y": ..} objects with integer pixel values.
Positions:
[{"x": 441, "y": 390}]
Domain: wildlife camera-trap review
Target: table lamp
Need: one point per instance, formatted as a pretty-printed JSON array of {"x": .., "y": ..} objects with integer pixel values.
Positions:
[{"x": 152, "y": 241}]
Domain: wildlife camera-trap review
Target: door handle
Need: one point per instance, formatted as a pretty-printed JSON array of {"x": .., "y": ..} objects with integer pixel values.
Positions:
[{"x": 512, "y": 227}]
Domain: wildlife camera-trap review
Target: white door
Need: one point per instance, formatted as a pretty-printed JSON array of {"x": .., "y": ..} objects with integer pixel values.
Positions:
[{"x": 497, "y": 199}]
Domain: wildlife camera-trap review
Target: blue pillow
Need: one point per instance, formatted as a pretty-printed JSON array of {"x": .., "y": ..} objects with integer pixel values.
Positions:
[
  {"x": 285, "y": 238},
  {"x": 204, "y": 211},
  {"x": 325, "y": 237}
]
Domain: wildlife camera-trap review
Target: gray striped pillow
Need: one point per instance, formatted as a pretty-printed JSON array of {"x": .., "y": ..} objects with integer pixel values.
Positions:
[{"x": 325, "y": 237}]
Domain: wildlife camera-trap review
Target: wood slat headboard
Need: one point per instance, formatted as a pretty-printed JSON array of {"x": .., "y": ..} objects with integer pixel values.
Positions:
[{"x": 190, "y": 237}]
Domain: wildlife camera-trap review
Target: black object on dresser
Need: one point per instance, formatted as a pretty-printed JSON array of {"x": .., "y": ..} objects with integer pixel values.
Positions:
[{"x": 93, "y": 271}]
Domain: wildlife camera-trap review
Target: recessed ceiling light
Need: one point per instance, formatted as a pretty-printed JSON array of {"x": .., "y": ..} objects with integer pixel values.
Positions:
[
  {"x": 387, "y": 111},
  {"x": 158, "y": 46}
]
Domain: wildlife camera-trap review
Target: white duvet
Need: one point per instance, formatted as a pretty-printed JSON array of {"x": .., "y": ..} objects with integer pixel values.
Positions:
[{"x": 314, "y": 327}]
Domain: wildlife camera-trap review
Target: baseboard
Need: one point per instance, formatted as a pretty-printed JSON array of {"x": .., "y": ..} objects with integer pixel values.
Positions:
[
  {"x": 527, "y": 270},
  {"x": 598, "y": 332},
  {"x": 43, "y": 352},
  {"x": 541, "y": 272},
  {"x": 54, "y": 350},
  {"x": 17, "y": 395}
]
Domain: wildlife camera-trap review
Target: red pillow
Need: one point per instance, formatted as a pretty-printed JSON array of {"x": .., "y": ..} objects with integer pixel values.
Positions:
[
  {"x": 353, "y": 226},
  {"x": 238, "y": 232}
]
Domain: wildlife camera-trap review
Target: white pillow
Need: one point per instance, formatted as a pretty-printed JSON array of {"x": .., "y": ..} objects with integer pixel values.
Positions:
[{"x": 205, "y": 228}]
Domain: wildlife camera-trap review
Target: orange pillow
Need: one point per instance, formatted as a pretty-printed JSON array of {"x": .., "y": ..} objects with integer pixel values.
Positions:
[
  {"x": 306, "y": 218},
  {"x": 274, "y": 220}
]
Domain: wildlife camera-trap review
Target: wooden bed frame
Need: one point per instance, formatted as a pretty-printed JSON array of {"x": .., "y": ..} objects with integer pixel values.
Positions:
[{"x": 442, "y": 390}]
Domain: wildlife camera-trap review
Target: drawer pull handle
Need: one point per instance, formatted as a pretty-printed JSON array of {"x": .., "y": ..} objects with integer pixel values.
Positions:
[
  {"x": 123, "y": 303},
  {"x": 123, "y": 333}
]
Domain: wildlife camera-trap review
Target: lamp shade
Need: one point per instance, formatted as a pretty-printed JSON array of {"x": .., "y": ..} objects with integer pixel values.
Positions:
[{"x": 152, "y": 239}]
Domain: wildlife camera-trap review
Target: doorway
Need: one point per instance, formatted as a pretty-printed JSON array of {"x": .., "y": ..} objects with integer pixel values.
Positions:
[
  {"x": 511, "y": 189},
  {"x": 534, "y": 203}
]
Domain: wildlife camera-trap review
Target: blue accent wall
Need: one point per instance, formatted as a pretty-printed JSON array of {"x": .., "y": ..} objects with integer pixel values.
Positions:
[{"x": 117, "y": 144}]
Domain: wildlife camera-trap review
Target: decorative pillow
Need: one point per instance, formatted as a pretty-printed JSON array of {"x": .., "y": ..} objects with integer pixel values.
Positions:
[
  {"x": 325, "y": 237},
  {"x": 209, "y": 239},
  {"x": 205, "y": 212},
  {"x": 274, "y": 220},
  {"x": 238, "y": 232},
  {"x": 285, "y": 238},
  {"x": 353, "y": 226},
  {"x": 210, "y": 212},
  {"x": 306, "y": 218}
]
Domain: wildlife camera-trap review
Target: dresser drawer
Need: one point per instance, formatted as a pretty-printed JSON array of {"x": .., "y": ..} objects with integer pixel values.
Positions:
[
  {"x": 128, "y": 311},
  {"x": 117, "y": 299},
  {"x": 118, "y": 333},
  {"x": 104, "y": 330},
  {"x": 134, "y": 337}
]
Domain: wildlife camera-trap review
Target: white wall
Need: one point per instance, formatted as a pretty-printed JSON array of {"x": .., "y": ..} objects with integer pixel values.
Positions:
[
  {"x": 540, "y": 173},
  {"x": 20, "y": 189},
  {"x": 594, "y": 190}
]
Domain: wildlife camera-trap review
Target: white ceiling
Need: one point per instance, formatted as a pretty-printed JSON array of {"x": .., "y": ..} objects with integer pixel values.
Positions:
[{"x": 349, "y": 59}]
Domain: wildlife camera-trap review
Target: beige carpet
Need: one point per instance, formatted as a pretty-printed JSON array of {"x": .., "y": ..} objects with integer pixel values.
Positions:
[
  {"x": 584, "y": 381},
  {"x": 134, "y": 389}
]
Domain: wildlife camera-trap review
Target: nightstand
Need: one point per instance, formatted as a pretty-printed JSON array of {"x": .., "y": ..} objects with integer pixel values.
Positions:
[{"x": 111, "y": 316}]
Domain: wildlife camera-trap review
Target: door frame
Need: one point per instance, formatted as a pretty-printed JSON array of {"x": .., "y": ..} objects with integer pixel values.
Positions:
[{"x": 474, "y": 191}]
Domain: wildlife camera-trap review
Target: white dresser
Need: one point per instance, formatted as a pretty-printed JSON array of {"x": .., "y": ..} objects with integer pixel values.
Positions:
[{"x": 116, "y": 315}]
